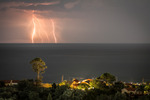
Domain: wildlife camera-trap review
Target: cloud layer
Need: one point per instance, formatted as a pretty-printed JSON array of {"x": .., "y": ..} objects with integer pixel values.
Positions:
[{"x": 78, "y": 21}]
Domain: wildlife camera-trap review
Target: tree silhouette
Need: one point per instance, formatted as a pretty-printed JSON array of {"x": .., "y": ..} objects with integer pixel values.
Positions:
[
  {"x": 38, "y": 66},
  {"x": 108, "y": 77}
]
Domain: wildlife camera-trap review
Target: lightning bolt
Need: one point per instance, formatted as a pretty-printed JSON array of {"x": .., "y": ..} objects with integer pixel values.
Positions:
[
  {"x": 40, "y": 27},
  {"x": 41, "y": 33},
  {"x": 54, "y": 35},
  {"x": 34, "y": 28}
]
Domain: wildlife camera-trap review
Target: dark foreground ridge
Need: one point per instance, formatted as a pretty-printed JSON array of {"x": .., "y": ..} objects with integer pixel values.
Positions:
[{"x": 104, "y": 87}]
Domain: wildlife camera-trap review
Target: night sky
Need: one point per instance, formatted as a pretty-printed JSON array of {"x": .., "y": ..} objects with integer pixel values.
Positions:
[
  {"x": 115, "y": 36},
  {"x": 76, "y": 21}
]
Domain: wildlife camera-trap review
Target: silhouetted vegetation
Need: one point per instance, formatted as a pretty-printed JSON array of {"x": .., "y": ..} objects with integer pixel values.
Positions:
[
  {"x": 104, "y": 87},
  {"x": 28, "y": 90},
  {"x": 38, "y": 66}
]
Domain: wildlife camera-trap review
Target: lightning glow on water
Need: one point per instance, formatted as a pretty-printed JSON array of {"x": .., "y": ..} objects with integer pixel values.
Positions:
[{"x": 43, "y": 31}]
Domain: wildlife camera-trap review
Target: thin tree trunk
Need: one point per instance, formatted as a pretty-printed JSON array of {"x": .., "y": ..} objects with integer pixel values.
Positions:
[{"x": 38, "y": 76}]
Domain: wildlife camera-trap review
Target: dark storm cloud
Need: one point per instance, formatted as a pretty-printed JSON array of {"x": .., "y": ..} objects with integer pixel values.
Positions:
[
  {"x": 37, "y": 4},
  {"x": 95, "y": 5},
  {"x": 102, "y": 21}
]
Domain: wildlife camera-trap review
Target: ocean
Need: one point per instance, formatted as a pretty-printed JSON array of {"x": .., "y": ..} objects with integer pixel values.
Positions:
[{"x": 128, "y": 62}]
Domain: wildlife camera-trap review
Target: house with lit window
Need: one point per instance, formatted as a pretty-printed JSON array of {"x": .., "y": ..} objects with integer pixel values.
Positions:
[{"x": 10, "y": 82}]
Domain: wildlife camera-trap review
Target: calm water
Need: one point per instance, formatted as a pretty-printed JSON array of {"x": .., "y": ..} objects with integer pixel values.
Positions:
[{"x": 129, "y": 62}]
